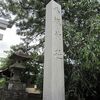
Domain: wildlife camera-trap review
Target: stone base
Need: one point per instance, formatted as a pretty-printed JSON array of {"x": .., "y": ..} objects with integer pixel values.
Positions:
[{"x": 13, "y": 95}]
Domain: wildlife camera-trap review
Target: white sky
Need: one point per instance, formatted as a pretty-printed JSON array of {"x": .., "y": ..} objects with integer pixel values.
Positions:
[{"x": 9, "y": 38}]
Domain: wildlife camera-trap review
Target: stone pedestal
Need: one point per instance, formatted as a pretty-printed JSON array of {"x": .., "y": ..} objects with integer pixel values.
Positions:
[
  {"x": 53, "y": 88},
  {"x": 13, "y": 95}
]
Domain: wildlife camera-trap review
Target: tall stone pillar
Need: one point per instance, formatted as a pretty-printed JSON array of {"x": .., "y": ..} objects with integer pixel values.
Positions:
[{"x": 53, "y": 88}]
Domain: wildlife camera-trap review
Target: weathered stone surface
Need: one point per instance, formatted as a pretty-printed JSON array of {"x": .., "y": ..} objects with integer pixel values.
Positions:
[
  {"x": 13, "y": 95},
  {"x": 53, "y": 60}
]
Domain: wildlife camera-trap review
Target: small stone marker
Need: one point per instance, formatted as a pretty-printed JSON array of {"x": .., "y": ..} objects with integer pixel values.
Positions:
[{"x": 53, "y": 87}]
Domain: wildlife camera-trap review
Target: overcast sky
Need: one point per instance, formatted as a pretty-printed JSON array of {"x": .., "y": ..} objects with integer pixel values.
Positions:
[{"x": 9, "y": 38}]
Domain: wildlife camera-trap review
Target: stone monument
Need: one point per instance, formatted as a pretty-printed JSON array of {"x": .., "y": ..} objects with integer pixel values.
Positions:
[{"x": 53, "y": 87}]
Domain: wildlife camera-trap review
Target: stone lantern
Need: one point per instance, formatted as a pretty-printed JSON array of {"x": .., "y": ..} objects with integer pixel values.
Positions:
[
  {"x": 16, "y": 89},
  {"x": 16, "y": 69}
]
